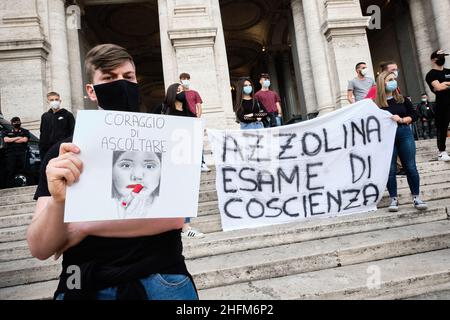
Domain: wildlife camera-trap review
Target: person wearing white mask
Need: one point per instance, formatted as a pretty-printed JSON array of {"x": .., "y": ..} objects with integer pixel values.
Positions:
[
  {"x": 360, "y": 85},
  {"x": 271, "y": 100},
  {"x": 194, "y": 102},
  {"x": 56, "y": 124}
]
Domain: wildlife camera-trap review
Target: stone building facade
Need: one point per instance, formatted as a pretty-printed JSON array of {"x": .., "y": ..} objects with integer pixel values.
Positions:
[{"x": 310, "y": 48}]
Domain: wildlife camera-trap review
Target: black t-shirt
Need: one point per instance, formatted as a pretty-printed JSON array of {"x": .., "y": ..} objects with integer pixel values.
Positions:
[
  {"x": 107, "y": 262},
  {"x": 13, "y": 146},
  {"x": 442, "y": 97},
  {"x": 247, "y": 108},
  {"x": 164, "y": 109},
  {"x": 405, "y": 109}
]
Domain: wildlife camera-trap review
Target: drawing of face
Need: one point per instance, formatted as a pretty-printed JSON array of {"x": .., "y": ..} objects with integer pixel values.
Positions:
[{"x": 132, "y": 168}]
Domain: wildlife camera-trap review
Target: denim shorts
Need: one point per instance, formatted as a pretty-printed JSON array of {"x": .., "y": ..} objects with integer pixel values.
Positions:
[
  {"x": 158, "y": 287},
  {"x": 252, "y": 125}
]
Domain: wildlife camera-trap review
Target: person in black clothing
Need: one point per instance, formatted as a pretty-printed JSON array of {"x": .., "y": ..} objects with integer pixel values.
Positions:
[
  {"x": 249, "y": 112},
  {"x": 56, "y": 124},
  {"x": 16, "y": 151},
  {"x": 124, "y": 259},
  {"x": 175, "y": 104},
  {"x": 425, "y": 110},
  {"x": 404, "y": 114},
  {"x": 438, "y": 79}
]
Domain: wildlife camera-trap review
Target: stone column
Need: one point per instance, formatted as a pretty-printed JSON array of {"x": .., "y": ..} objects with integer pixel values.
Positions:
[
  {"x": 291, "y": 100},
  {"x": 300, "y": 51},
  {"x": 194, "y": 31},
  {"x": 441, "y": 10},
  {"x": 272, "y": 70},
  {"x": 318, "y": 55},
  {"x": 422, "y": 39},
  {"x": 223, "y": 72},
  {"x": 23, "y": 56},
  {"x": 59, "y": 57},
  {"x": 345, "y": 31},
  {"x": 76, "y": 76},
  {"x": 167, "y": 51}
]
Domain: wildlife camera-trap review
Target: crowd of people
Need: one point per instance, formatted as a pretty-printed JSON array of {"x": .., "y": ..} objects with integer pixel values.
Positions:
[{"x": 137, "y": 259}]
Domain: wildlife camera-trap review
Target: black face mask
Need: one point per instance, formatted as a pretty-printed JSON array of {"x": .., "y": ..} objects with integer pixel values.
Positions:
[
  {"x": 17, "y": 125},
  {"x": 120, "y": 95},
  {"x": 440, "y": 62},
  {"x": 181, "y": 97}
]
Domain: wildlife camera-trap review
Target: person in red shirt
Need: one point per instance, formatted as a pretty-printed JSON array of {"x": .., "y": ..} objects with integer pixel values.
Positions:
[
  {"x": 270, "y": 99},
  {"x": 194, "y": 102},
  {"x": 389, "y": 66},
  {"x": 193, "y": 97}
]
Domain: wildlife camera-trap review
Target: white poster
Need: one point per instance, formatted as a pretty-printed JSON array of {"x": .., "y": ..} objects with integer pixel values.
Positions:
[
  {"x": 333, "y": 165},
  {"x": 136, "y": 165}
]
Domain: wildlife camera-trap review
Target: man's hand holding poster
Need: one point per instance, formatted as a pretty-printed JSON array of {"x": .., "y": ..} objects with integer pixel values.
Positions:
[
  {"x": 136, "y": 165},
  {"x": 333, "y": 165}
]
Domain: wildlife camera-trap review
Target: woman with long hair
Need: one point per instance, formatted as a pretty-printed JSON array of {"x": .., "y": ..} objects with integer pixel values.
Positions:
[
  {"x": 404, "y": 114},
  {"x": 175, "y": 102},
  {"x": 248, "y": 110}
]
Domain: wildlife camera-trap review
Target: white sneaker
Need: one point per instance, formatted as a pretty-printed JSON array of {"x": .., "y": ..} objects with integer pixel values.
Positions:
[
  {"x": 419, "y": 204},
  {"x": 443, "y": 156},
  {"x": 393, "y": 207},
  {"x": 192, "y": 233},
  {"x": 205, "y": 168}
]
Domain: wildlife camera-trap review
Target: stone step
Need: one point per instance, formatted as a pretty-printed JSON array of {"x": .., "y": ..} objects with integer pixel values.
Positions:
[
  {"x": 13, "y": 234},
  {"x": 211, "y": 222},
  {"x": 16, "y": 209},
  {"x": 442, "y": 294},
  {"x": 400, "y": 278},
  {"x": 16, "y": 191},
  {"x": 248, "y": 239},
  {"x": 241, "y": 240},
  {"x": 15, "y": 220},
  {"x": 33, "y": 291},
  {"x": 16, "y": 199},
  {"x": 296, "y": 258},
  {"x": 276, "y": 261},
  {"x": 20, "y": 272}
]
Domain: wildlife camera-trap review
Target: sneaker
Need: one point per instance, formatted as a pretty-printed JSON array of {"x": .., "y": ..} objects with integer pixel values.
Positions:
[
  {"x": 205, "y": 168},
  {"x": 192, "y": 233},
  {"x": 393, "y": 207},
  {"x": 443, "y": 156},
  {"x": 419, "y": 204}
]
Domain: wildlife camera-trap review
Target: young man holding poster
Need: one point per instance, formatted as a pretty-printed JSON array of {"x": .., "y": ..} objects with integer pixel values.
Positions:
[{"x": 126, "y": 259}]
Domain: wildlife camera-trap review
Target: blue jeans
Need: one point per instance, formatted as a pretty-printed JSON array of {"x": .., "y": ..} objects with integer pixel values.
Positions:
[
  {"x": 252, "y": 125},
  {"x": 158, "y": 287},
  {"x": 405, "y": 148}
]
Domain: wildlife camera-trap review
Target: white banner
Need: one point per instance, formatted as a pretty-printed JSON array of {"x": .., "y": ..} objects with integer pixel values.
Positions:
[
  {"x": 136, "y": 165},
  {"x": 333, "y": 165}
]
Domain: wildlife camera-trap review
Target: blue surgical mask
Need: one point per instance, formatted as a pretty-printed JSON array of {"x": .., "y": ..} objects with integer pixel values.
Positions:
[
  {"x": 248, "y": 89},
  {"x": 391, "y": 86},
  {"x": 266, "y": 83}
]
